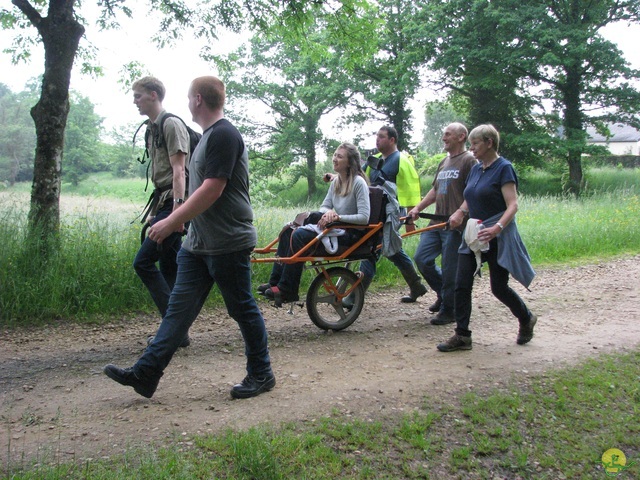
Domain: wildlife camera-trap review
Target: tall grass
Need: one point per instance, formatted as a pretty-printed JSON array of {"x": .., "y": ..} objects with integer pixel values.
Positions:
[
  {"x": 103, "y": 185},
  {"x": 597, "y": 180},
  {"x": 91, "y": 275},
  {"x": 563, "y": 229}
]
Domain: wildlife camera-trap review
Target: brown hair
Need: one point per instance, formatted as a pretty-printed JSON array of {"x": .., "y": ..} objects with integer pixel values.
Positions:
[
  {"x": 390, "y": 131},
  {"x": 355, "y": 169}
]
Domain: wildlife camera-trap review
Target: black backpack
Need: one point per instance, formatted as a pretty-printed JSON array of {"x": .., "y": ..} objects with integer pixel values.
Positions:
[{"x": 194, "y": 138}]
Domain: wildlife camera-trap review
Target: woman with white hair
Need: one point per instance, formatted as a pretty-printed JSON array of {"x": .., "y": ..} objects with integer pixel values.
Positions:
[{"x": 490, "y": 197}]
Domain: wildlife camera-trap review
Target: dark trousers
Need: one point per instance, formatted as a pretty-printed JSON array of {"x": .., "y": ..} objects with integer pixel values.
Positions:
[
  {"x": 159, "y": 281},
  {"x": 287, "y": 276},
  {"x": 499, "y": 279},
  {"x": 197, "y": 274}
]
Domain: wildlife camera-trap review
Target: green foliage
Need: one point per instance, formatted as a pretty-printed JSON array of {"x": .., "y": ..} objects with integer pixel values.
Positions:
[
  {"x": 427, "y": 165},
  {"x": 389, "y": 76},
  {"x": 437, "y": 115},
  {"x": 84, "y": 151},
  {"x": 490, "y": 87},
  {"x": 82, "y": 139},
  {"x": 297, "y": 93},
  {"x": 17, "y": 135},
  {"x": 549, "y": 50},
  {"x": 119, "y": 156}
]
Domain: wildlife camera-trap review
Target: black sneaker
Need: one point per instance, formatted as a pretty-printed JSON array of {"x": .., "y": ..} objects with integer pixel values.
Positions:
[
  {"x": 457, "y": 342},
  {"x": 435, "y": 307},
  {"x": 525, "y": 334},
  {"x": 185, "y": 342},
  {"x": 280, "y": 296},
  {"x": 253, "y": 386},
  {"x": 145, "y": 386},
  {"x": 416, "y": 291},
  {"x": 442, "y": 318}
]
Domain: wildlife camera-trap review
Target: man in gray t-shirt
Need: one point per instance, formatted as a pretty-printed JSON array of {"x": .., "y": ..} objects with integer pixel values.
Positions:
[
  {"x": 446, "y": 192},
  {"x": 227, "y": 225},
  {"x": 217, "y": 250}
]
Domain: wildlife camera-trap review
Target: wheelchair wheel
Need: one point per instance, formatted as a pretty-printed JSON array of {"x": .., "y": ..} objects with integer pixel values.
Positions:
[{"x": 322, "y": 304}]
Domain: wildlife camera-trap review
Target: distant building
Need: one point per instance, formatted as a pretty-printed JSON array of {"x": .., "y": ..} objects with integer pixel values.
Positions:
[{"x": 624, "y": 140}]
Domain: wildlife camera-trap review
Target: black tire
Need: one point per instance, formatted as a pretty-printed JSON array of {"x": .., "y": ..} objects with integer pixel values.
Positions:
[{"x": 322, "y": 304}]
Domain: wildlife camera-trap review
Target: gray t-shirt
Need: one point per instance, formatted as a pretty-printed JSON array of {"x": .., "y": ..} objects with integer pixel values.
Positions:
[
  {"x": 227, "y": 225},
  {"x": 449, "y": 182}
]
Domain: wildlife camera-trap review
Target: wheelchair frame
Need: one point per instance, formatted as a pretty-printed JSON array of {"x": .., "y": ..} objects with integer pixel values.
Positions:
[{"x": 325, "y": 299}]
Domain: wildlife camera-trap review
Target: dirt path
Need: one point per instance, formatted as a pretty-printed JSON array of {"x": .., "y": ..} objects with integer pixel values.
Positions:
[{"x": 56, "y": 404}]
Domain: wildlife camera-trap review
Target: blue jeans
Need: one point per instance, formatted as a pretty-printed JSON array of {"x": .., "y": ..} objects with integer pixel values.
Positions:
[
  {"x": 499, "y": 279},
  {"x": 159, "y": 282},
  {"x": 401, "y": 260},
  {"x": 442, "y": 280},
  {"x": 196, "y": 276}
]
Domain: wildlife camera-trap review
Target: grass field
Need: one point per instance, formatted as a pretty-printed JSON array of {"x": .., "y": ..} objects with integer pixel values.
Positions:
[{"x": 91, "y": 276}]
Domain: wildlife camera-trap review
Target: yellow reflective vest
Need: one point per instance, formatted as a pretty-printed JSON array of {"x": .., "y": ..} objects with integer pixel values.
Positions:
[{"x": 407, "y": 181}]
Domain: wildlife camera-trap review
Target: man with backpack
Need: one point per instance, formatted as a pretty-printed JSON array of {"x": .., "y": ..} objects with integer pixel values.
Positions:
[
  {"x": 167, "y": 142},
  {"x": 217, "y": 250}
]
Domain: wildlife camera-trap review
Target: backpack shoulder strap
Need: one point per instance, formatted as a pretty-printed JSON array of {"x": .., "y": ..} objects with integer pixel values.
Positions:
[
  {"x": 160, "y": 140},
  {"x": 145, "y": 155}
]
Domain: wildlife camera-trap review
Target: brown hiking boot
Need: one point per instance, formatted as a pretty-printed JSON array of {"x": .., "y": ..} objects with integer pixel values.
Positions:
[
  {"x": 525, "y": 334},
  {"x": 457, "y": 342}
]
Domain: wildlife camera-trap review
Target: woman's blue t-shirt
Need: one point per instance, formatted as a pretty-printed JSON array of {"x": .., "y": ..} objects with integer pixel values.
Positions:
[{"x": 483, "y": 191}]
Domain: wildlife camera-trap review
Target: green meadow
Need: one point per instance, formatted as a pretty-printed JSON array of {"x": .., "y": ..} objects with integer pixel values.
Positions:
[{"x": 91, "y": 278}]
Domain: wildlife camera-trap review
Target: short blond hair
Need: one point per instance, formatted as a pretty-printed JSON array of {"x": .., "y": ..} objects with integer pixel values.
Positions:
[
  {"x": 150, "y": 84},
  {"x": 486, "y": 132}
]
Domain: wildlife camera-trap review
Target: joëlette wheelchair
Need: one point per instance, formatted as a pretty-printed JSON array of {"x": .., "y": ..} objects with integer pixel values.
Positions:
[{"x": 335, "y": 280}]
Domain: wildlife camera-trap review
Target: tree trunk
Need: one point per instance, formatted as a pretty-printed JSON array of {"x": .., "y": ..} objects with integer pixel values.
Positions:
[
  {"x": 60, "y": 34},
  {"x": 573, "y": 127},
  {"x": 312, "y": 188},
  {"x": 400, "y": 118}
]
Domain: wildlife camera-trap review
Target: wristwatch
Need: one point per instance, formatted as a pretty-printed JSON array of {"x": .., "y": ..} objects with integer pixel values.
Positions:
[{"x": 178, "y": 200}]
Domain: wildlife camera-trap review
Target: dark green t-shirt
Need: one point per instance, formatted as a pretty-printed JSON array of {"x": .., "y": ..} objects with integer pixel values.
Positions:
[{"x": 227, "y": 225}]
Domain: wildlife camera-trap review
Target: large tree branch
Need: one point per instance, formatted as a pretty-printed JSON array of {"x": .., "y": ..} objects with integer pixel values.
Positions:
[{"x": 31, "y": 13}]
